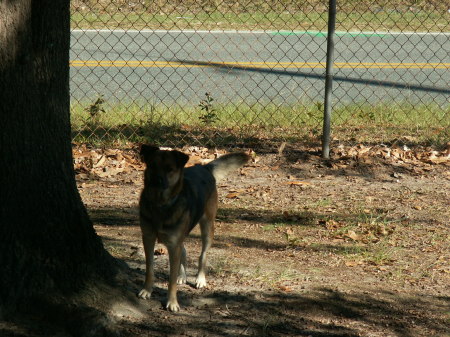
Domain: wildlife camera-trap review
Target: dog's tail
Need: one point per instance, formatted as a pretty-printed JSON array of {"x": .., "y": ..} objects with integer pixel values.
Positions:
[{"x": 227, "y": 163}]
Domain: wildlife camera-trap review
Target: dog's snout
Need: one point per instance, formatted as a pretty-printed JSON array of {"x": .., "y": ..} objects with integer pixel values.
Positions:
[{"x": 160, "y": 182}]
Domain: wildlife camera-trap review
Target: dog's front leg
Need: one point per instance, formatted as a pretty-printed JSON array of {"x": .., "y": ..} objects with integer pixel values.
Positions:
[
  {"x": 149, "y": 240},
  {"x": 175, "y": 252}
]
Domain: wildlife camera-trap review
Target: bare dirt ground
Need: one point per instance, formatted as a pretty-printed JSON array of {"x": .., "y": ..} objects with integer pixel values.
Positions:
[{"x": 354, "y": 246}]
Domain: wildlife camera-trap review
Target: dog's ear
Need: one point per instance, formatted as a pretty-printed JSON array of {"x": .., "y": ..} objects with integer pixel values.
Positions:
[
  {"x": 147, "y": 151},
  {"x": 181, "y": 158}
]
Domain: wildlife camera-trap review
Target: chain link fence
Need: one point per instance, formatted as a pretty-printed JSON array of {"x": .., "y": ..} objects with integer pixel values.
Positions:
[{"x": 226, "y": 73}]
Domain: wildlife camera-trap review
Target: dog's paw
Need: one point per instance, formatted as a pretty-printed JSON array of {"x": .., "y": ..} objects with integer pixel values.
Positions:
[
  {"x": 144, "y": 294},
  {"x": 182, "y": 275},
  {"x": 200, "y": 282},
  {"x": 181, "y": 279},
  {"x": 173, "y": 306}
]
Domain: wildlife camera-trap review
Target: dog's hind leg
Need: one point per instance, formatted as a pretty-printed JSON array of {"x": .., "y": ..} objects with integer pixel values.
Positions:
[
  {"x": 182, "y": 274},
  {"x": 207, "y": 233}
]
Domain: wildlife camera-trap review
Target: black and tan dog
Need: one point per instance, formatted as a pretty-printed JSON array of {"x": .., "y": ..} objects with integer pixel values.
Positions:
[{"x": 173, "y": 201}]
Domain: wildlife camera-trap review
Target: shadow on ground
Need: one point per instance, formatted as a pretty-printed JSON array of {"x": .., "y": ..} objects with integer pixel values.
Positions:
[
  {"x": 319, "y": 312},
  {"x": 226, "y": 309},
  {"x": 263, "y": 139}
]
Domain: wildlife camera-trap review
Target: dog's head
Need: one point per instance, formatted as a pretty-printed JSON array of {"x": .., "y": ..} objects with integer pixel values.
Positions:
[{"x": 163, "y": 176}]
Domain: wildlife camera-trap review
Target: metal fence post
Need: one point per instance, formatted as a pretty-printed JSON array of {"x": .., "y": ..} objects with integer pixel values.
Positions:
[
  {"x": 328, "y": 80},
  {"x": 153, "y": 71}
]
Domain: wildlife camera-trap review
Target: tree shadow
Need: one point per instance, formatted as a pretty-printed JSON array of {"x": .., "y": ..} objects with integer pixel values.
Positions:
[
  {"x": 298, "y": 73},
  {"x": 371, "y": 167},
  {"x": 111, "y": 216},
  {"x": 247, "y": 136},
  {"x": 260, "y": 137},
  {"x": 238, "y": 217},
  {"x": 317, "y": 312}
]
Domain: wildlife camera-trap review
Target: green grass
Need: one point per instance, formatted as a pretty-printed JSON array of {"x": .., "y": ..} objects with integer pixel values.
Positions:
[
  {"x": 367, "y": 238},
  {"x": 257, "y": 123},
  {"x": 200, "y": 21},
  {"x": 423, "y": 20},
  {"x": 374, "y": 254}
]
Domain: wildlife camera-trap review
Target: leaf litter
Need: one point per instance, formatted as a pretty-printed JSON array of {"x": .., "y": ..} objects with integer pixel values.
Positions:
[{"x": 370, "y": 226}]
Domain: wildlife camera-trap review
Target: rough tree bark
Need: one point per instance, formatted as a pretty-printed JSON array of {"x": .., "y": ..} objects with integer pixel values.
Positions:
[{"x": 48, "y": 247}]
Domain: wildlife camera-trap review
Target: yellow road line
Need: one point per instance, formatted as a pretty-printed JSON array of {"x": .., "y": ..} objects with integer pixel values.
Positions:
[{"x": 265, "y": 65}]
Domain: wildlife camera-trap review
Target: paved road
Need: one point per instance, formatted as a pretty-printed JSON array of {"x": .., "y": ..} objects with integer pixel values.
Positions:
[{"x": 180, "y": 66}]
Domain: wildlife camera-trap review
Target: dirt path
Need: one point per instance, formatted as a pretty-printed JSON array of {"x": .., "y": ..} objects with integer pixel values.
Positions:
[{"x": 358, "y": 246}]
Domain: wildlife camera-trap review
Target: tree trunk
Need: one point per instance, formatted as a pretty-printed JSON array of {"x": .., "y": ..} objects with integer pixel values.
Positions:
[{"x": 48, "y": 246}]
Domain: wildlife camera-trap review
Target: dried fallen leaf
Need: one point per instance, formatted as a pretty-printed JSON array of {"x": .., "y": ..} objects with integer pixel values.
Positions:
[
  {"x": 297, "y": 183},
  {"x": 285, "y": 289},
  {"x": 352, "y": 263},
  {"x": 87, "y": 185},
  {"x": 100, "y": 162},
  {"x": 330, "y": 224},
  {"x": 281, "y": 148},
  {"x": 438, "y": 160},
  {"x": 338, "y": 240},
  {"x": 352, "y": 235},
  {"x": 160, "y": 251}
]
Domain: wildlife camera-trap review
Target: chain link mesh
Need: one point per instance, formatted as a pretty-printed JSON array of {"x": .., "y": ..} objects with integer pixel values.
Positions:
[{"x": 221, "y": 73}]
